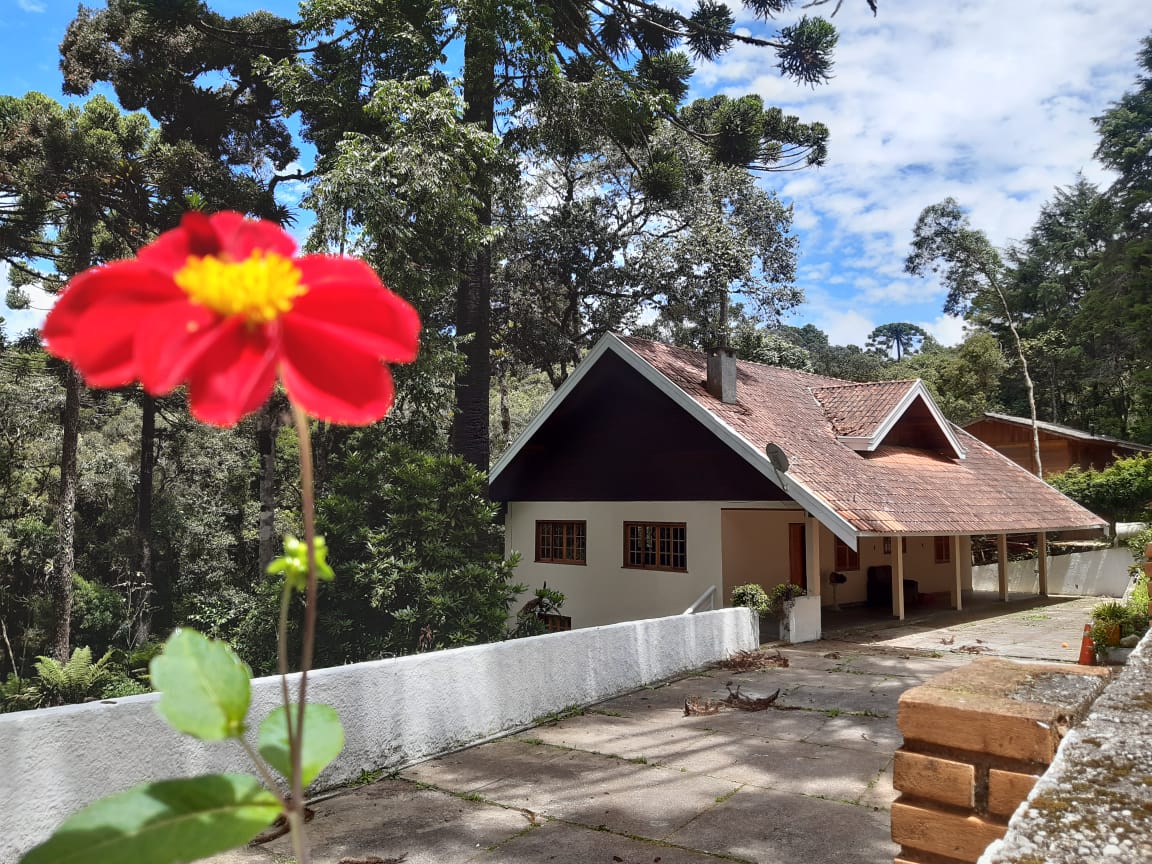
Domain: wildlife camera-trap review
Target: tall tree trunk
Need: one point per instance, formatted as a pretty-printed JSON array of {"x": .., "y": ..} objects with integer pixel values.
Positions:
[
  {"x": 267, "y": 425},
  {"x": 474, "y": 296},
  {"x": 1027, "y": 377},
  {"x": 60, "y": 582},
  {"x": 146, "y": 589}
]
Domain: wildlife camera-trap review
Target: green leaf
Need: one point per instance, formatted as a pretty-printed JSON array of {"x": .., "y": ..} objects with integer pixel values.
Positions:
[
  {"x": 323, "y": 740},
  {"x": 163, "y": 823},
  {"x": 203, "y": 686}
]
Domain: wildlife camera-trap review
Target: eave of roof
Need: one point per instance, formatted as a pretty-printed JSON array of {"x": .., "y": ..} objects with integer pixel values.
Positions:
[{"x": 1063, "y": 431}]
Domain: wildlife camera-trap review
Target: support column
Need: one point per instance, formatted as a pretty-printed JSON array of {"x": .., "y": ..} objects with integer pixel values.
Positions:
[
  {"x": 898, "y": 578},
  {"x": 1042, "y": 562},
  {"x": 957, "y": 574},
  {"x": 812, "y": 555},
  {"x": 1002, "y": 564}
]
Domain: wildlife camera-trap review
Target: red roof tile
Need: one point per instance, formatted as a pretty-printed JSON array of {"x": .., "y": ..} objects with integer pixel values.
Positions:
[
  {"x": 857, "y": 410},
  {"x": 892, "y": 490}
]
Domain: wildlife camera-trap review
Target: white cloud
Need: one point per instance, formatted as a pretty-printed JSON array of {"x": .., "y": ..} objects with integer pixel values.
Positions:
[
  {"x": 844, "y": 326},
  {"x": 32, "y": 5},
  {"x": 945, "y": 329},
  {"x": 985, "y": 101}
]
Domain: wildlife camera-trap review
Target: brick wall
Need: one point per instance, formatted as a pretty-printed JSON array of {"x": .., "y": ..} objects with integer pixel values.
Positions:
[{"x": 976, "y": 740}]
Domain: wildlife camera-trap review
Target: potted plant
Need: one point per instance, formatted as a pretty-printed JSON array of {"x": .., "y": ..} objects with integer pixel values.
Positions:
[
  {"x": 1110, "y": 619},
  {"x": 781, "y": 599}
]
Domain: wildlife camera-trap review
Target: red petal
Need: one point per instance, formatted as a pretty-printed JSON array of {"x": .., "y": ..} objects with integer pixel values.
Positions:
[
  {"x": 235, "y": 377},
  {"x": 348, "y": 303},
  {"x": 96, "y": 319},
  {"x": 171, "y": 341},
  {"x": 239, "y": 239},
  {"x": 224, "y": 233},
  {"x": 331, "y": 379}
]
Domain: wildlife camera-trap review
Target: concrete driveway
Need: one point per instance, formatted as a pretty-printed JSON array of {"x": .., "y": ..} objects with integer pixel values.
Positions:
[{"x": 635, "y": 780}]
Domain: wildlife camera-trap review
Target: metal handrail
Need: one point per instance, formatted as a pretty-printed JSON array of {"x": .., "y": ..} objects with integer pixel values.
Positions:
[{"x": 709, "y": 595}]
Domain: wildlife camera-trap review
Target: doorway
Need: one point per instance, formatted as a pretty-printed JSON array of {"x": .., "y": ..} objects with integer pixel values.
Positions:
[{"x": 797, "y": 553}]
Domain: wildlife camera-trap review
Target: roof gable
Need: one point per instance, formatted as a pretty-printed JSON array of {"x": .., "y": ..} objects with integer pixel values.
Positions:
[{"x": 865, "y": 416}]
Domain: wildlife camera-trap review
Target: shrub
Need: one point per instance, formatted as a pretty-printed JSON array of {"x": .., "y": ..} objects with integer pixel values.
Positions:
[
  {"x": 752, "y": 596},
  {"x": 781, "y": 594}
]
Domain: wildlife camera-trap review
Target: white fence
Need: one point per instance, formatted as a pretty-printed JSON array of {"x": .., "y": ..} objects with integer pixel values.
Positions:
[
  {"x": 395, "y": 712},
  {"x": 1099, "y": 573}
]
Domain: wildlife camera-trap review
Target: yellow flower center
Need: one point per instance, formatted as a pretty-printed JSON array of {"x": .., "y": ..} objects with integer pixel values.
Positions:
[{"x": 261, "y": 288}]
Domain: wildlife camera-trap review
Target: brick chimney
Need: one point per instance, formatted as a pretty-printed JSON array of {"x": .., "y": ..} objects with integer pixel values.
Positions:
[{"x": 721, "y": 381}]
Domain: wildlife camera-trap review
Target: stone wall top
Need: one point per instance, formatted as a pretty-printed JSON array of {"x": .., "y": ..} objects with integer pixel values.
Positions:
[{"x": 1094, "y": 805}]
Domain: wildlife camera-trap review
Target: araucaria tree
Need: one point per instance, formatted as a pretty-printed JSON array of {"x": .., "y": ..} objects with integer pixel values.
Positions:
[
  {"x": 904, "y": 337},
  {"x": 70, "y": 179}
]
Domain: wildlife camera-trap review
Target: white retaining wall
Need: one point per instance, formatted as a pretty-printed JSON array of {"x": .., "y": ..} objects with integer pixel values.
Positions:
[
  {"x": 1099, "y": 573},
  {"x": 54, "y": 761}
]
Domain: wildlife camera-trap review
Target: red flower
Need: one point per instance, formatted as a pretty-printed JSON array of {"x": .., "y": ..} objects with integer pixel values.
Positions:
[{"x": 221, "y": 304}]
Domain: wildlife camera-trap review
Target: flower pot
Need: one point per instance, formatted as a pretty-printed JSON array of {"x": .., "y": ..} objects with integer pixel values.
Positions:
[{"x": 1111, "y": 635}]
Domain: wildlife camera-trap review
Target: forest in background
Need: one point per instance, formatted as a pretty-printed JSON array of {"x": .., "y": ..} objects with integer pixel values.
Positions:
[{"x": 559, "y": 189}]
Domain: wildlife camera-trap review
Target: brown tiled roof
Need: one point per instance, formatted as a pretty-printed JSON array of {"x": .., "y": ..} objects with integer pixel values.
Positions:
[
  {"x": 892, "y": 490},
  {"x": 859, "y": 409}
]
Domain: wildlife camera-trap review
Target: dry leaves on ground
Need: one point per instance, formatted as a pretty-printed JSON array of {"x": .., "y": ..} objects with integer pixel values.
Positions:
[{"x": 750, "y": 661}]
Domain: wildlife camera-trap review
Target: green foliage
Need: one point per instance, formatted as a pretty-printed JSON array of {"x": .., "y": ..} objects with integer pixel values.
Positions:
[
  {"x": 752, "y": 596},
  {"x": 78, "y": 680},
  {"x": 1138, "y": 604},
  {"x": 1138, "y": 542},
  {"x": 203, "y": 684},
  {"x": 323, "y": 741},
  {"x": 780, "y": 594},
  {"x": 418, "y": 550},
  {"x": 98, "y": 612},
  {"x": 530, "y": 618},
  {"x": 1110, "y": 612},
  {"x": 163, "y": 823},
  {"x": 1121, "y": 491}
]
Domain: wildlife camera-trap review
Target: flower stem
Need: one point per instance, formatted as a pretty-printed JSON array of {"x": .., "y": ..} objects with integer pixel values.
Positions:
[
  {"x": 308, "y": 507},
  {"x": 282, "y": 660}
]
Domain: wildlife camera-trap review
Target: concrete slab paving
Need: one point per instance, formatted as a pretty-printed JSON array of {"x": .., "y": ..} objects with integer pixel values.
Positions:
[
  {"x": 634, "y": 780},
  {"x": 393, "y": 819},
  {"x": 797, "y": 766},
  {"x": 781, "y": 828},
  {"x": 558, "y": 843}
]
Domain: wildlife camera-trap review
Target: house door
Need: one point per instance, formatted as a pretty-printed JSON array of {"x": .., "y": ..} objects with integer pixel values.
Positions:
[{"x": 797, "y": 553}]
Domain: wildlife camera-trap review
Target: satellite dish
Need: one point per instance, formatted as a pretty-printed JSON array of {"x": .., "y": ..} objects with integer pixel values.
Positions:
[{"x": 777, "y": 457}]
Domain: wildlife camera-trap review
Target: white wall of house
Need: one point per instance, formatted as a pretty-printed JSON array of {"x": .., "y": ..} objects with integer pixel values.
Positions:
[
  {"x": 394, "y": 712},
  {"x": 604, "y": 591},
  {"x": 729, "y": 543}
]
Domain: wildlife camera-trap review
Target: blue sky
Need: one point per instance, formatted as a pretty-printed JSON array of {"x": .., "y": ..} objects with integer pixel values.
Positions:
[{"x": 988, "y": 101}]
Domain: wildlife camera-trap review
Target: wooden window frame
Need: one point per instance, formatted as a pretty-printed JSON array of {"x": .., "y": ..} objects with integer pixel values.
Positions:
[
  {"x": 888, "y": 545},
  {"x": 570, "y": 524},
  {"x": 942, "y": 542},
  {"x": 846, "y": 557},
  {"x": 658, "y": 526}
]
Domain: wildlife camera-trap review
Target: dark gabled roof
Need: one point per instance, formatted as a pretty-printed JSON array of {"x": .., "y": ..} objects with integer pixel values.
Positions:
[
  {"x": 1064, "y": 431},
  {"x": 889, "y": 488}
]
